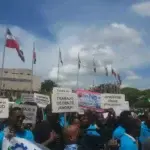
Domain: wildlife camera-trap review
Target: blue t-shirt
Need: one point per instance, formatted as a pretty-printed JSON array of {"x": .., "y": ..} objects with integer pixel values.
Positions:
[
  {"x": 26, "y": 134},
  {"x": 127, "y": 142},
  {"x": 91, "y": 130},
  {"x": 118, "y": 132},
  {"x": 62, "y": 120},
  {"x": 145, "y": 132}
]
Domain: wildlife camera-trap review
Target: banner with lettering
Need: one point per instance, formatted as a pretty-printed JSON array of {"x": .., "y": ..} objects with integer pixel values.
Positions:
[
  {"x": 89, "y": 100},
  {"x": 20, "y": 144}
]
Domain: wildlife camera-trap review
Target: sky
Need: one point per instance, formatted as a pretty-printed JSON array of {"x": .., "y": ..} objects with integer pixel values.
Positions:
[{"x": 113, "y": 33}]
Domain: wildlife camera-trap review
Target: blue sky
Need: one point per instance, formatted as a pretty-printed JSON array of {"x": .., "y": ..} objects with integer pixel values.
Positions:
[{"x": 121, "y": 28}]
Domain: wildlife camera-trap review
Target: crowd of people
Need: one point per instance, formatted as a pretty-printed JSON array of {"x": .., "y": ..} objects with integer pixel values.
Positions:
[{"x": 72, "y": 131}]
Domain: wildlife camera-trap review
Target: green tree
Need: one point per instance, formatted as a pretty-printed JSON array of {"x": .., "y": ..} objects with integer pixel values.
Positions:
[
  {"x": 47, "y": 86},
  {"x": 132, "y": 94}
]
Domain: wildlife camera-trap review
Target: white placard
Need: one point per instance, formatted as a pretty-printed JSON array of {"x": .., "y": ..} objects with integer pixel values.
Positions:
[
  {"x": 4, "y": 108},
  {"x": 80, "y": 111},
  {"x": 66, "y": 102},
  {"x": 29, "y": 112},
  {"x": 61, "y": 90},
  {"x": 112, "y": 100},
  {"x": 42, "y": 100},
  {"x": 25, "y": 97}
]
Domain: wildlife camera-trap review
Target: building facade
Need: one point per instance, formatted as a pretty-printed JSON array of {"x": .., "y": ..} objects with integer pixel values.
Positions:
[{"x": 19, "y": 80}]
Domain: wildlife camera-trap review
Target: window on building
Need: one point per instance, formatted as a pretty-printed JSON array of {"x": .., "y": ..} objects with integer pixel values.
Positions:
[
  {"x": 21, "y": 73},
  {"x": 6, "y": 71},
  {"x": 28, "y": 74}
]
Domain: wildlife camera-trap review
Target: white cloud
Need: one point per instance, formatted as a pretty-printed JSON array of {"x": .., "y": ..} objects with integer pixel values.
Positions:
[
  {"x": 115, "y": 44},
  {"x": 142, "y": 8},
  {"x": 132, "y": 76}
]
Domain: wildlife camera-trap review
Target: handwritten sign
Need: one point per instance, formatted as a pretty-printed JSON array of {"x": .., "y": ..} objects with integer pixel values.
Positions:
[
  {"x": 41, "y": 99},
  {"x": 112, "y": 100},
  {"x": 61, "y": 90},
  {"x": 4, "y": 108},
  {"x": 30, "y": 113},
  {"x": 65, "y": 102}
]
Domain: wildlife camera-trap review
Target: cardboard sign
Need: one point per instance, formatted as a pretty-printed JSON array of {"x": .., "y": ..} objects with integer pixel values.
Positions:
[
  {"x": 4, "y": 108},
  {"x": 62, "y": 103},
  {"x": 112, "y": 100},
  {"x": 27, "y": 97},
  {"x": 61, "y": 90},
  {"x": 29, "y": 112},
  {"x": 42, "y": 100}
]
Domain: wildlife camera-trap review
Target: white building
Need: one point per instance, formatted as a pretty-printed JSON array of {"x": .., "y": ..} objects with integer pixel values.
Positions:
[{"x": 19, "y": 80}]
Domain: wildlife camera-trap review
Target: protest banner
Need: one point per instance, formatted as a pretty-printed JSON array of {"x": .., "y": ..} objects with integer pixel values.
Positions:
[
  {"x": 66, "y": 102},
  {"x": 4, "y": 108},
  {"x": 17, "y": 143},
  {"x": 112, "y": 100},
  {"x": 61, "y": 90},
  {"x": 25, "y": 97},
  {"x": 89, "y": 100},
  {"x": 41, "y": 100}
]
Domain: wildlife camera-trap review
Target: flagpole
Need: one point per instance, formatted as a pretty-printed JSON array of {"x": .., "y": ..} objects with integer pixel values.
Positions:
[
  {"x": 32, "y": 67},
  {"x": 3, "y": 62},
  {"x": 58, "y": 68}
]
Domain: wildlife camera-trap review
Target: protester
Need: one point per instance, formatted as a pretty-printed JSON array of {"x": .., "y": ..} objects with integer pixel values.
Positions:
[
  {"x": 49, "y": 132},
  {"x": 128, "y": 140},
  {"x": 14, "y": 127}
]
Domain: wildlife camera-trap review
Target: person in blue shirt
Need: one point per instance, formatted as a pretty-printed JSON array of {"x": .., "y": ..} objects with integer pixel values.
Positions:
[
  {"x": 145, "y": 129},
  {"x": 128, "y": 140},
  {"x": 15, "y": 126},
  {"x": 120, "y": 130}
]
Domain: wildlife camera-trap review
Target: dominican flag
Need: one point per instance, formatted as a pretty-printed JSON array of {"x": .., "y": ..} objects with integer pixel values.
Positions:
[
  {"x": 113, "y": 73},
  {"x": 119, "y": 79},
  {"x": 11, "y": 42}
]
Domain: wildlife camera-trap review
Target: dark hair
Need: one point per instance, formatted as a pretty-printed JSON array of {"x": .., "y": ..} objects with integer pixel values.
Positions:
[
  {"x": 130, "y": 124},
  {"x": 12, "y": 110},
  {"x": 124, "y": 117}
]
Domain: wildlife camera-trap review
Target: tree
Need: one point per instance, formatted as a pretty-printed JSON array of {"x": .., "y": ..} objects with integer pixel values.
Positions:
[
  {"x": 47, "y": 86},
  {"x": 132, "y": 94}
]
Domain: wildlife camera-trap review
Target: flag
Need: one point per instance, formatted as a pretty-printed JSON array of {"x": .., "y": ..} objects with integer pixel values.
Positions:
[
  {"x": 119, "y": 79},
  {"x": 21, "y": 55},
  {"x": 34, "y": 55},
  {"x": 11, "y": 42},
  {"x": 94, "y": 66},
  {"x": 113, "y": 72},
  {"x": 106, "y": 71},
  {"x": 79, "y": 62},
  {"x": 60, "y": 57}
]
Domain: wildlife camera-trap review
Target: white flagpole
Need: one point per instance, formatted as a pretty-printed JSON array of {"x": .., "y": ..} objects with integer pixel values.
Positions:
[
  {"x": 3, "y": 62},
  {"x": 58, "y": 67},
  {"x": 32, "y": 67}
]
